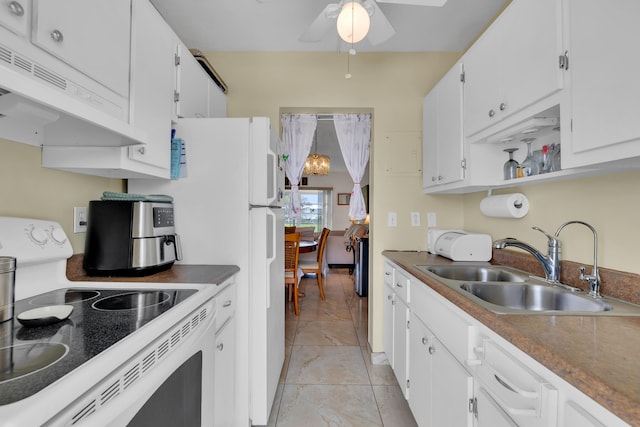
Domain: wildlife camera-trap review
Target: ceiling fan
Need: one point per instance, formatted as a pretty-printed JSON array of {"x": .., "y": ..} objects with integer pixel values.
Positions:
[{"x": 380, "y": 28}]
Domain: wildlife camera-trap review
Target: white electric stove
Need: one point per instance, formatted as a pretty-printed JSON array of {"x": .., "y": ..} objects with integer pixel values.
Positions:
[{"x": 125, "y": 350}]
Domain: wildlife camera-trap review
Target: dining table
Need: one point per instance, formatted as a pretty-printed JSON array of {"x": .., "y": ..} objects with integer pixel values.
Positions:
[{"x": 308, "y": 246}]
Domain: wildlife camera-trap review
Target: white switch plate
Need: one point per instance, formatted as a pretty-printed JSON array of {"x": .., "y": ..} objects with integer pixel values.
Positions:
[
  {"x": 79, "y": 220},
  {"x": 431, "y": 219},
  {"x": 392, "y": 219},
  {"x": 415, "y": 219}
]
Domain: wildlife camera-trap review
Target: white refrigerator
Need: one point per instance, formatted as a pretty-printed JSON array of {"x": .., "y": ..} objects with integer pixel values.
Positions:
[{"x": 228, "y": 210}]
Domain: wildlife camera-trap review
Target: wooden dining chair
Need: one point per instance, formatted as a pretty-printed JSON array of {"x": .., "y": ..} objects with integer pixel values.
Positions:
[
  {"x": 289, "y": 229},
  {"x": 315, "y": 266},
  {"x": 292, "y": 271}
]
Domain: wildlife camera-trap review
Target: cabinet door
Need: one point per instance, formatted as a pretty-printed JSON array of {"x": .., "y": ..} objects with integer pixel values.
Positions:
[
  {"x": 575, "y": 415},
  {"x": 420, "y": 339},
  {"x": 481, "y": 74},
  {"x": 152, "y": 76},
  {"x": 97, "y": 44},
  {"x": 488, "y": 413},
  {"x": 15, "y": 16},
  {"x": 224, "y": 376},
  {"x": 452, "y": 389},
  {"x": 192, "y": 87},
  {"x": 217, "y": 101},
  {"x": 400, "y": 336},
  {"x": 604, "y": 85},
  {"x": 450, "y": 140},
  {"x": 430, "y": 139},
  {"x": 531, "y": 43},
  {"x": 389, "y": 302}
]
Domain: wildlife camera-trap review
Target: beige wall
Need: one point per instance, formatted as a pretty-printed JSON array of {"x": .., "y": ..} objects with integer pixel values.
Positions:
[
  {"x": 29, "y": 190},
  {"x": 611, "y": 204},
  {"x": 393, "y": 86}
]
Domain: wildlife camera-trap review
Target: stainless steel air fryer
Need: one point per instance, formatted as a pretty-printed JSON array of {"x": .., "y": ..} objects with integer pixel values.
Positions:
[{"x": 130, "y": 238}]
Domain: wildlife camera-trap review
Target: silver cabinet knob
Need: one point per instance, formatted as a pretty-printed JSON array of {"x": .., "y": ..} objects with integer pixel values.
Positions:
[
  {"x": 16, "y": 8},
  {"x": 220, "y": 346},
  {"x": 492, "y": 113},
  {"x": 439, "y": 177},
  {"x": 432, "y": 350},
  {"x": 424, "y": 340},
  {"x": 227, "y": 303},
  {"x": 433, "y": 178},
  {"x": 503, "y": 106},
  {"x": 399, "y": 284},
  {"x": 57, "y": 36},
  {"x": 141, "y": 150},
  {"x": 389, "y": 297}
]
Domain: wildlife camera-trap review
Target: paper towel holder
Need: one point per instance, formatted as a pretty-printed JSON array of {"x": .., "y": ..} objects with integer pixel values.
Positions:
[
  {"x": 514, "y": 205},
  {"x": 518, "y": 204}
]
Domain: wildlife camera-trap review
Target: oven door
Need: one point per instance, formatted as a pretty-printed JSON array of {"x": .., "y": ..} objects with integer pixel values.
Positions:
[{"x": 169, "y": 382}]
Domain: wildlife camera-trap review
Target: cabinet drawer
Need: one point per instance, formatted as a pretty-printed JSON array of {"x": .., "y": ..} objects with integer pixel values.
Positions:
[
  {"x": 528, "y": 398},
  {"x": 401, "y": 285},
  {"x": 455, "y": 332},
  {"x": 225, "y": 304},
  {"x": 388, "y": 274}
]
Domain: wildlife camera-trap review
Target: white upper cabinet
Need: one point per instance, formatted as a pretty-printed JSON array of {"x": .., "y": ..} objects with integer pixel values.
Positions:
[
  {"x": 93, "y": 36},
  {"x": 514, "y": 64},
  {"x": 601, "y": 107},
  {"x": 14, "y": 16},
  {"x": 442, "y": 152},
  {"x": 217, "y": 101},
  {"x": 192, "y": 91},
  {"x": 152, "y": 81}
]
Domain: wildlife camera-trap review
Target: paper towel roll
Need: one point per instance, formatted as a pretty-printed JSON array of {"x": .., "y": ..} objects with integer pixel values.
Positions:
[{"x": 514, "y": 205}]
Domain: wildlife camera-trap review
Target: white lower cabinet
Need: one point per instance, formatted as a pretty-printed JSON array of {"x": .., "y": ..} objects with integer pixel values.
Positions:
[
  {"x": 440, "y": 388},
  {"x": 461, "y": 373},
  {"x": 225, "y": 362}
]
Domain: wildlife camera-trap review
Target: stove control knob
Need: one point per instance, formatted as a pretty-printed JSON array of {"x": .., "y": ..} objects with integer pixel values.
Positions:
[
  {"x": 58, "y": 236},
  {"x": 39, "y": 235}
]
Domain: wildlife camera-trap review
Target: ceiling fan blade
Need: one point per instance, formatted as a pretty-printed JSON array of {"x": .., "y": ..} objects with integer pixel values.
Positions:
[
  {"x": 436, "y": 3},
  {"x": 321, "y": 25},
  {"x": 381, "y": 29}
]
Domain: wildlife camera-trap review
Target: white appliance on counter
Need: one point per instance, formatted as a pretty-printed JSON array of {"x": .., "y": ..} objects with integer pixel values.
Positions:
[
  {"x": 459, "y": 245},
  {"x": 228, "y": 210},
  {"x": 129, "y": 353}
]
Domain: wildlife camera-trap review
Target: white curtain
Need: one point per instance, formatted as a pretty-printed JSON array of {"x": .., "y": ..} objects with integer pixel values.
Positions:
[
  {"x": 297, "y": 137},
  {"x": 354, "y": 136}
]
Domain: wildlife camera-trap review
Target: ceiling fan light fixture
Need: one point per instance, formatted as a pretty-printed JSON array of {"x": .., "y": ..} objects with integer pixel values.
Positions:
[{"x": 353, "y": 22}]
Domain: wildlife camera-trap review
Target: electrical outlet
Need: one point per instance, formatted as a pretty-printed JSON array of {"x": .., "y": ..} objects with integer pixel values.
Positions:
[
  {"x": 415, "y": 219},
  {"x": 431, "y": 219},
  {"x": 79, "y": 220},
  {"x": 392, "y": 219}
]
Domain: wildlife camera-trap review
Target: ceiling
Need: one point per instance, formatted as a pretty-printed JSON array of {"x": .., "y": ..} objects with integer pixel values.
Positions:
[{"x": 275, "y": 26}]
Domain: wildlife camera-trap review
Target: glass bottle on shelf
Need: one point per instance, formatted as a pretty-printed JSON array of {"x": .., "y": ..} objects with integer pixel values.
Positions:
[
  {"x": 510, "y": 167},
  {"x": 529, "y": 165}
]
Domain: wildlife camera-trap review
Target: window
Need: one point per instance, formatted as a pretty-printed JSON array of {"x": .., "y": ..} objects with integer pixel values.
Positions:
[{"x": 315, "y": 206}]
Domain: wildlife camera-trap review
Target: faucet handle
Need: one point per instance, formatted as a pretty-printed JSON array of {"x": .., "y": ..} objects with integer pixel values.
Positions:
[{"x": 553, "y": 241}]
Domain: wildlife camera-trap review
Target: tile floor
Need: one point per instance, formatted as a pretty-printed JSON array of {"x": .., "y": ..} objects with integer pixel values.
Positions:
[{"x": 328, "y": 378}]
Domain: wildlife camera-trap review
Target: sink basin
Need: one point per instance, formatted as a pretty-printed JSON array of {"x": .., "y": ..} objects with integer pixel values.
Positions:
[
  {"x": 476, "y": 273},
  {"x": 507, "y": 290},
  {"x": 534, "y": 297}
]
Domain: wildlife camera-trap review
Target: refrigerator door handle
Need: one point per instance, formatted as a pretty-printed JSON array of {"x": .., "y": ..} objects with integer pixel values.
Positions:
[{"x": 271, "y": 246}]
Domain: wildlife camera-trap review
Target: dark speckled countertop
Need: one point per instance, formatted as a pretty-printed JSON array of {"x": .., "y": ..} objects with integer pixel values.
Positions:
[
  {"x": 596, "y": 354},
  {"x": 178, "y": 273}
]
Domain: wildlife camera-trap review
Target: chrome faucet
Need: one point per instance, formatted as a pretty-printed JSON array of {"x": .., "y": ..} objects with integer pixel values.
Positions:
[
  {"x": 592, "y": 279},
  {"x": 550, "y": 263}
]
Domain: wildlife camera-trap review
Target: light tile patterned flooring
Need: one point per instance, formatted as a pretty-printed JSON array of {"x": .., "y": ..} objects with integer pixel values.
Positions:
[{"x": 327, "y": 378}]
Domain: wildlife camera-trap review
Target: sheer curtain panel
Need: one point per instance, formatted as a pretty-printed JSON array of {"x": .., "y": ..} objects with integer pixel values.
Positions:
[
  {"x": 354, "y": 136},
  {"x": 297, "y": 136}
]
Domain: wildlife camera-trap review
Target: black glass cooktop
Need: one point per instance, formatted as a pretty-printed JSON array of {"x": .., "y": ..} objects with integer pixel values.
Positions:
[{"x": 31, "y": 358}]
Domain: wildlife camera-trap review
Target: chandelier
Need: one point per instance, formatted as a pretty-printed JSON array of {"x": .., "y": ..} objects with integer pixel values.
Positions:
[{"x": 316, "y": 163}]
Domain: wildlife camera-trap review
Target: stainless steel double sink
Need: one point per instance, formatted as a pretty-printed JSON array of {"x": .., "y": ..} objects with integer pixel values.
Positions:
[{"x": 507, "y": 290}]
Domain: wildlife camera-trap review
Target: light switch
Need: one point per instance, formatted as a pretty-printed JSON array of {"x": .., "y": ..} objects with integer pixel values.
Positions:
[
  {"x": 392, "y": 219},
  {"x": 431, "y": 219},
  {"x": 415, "y": 219}
]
